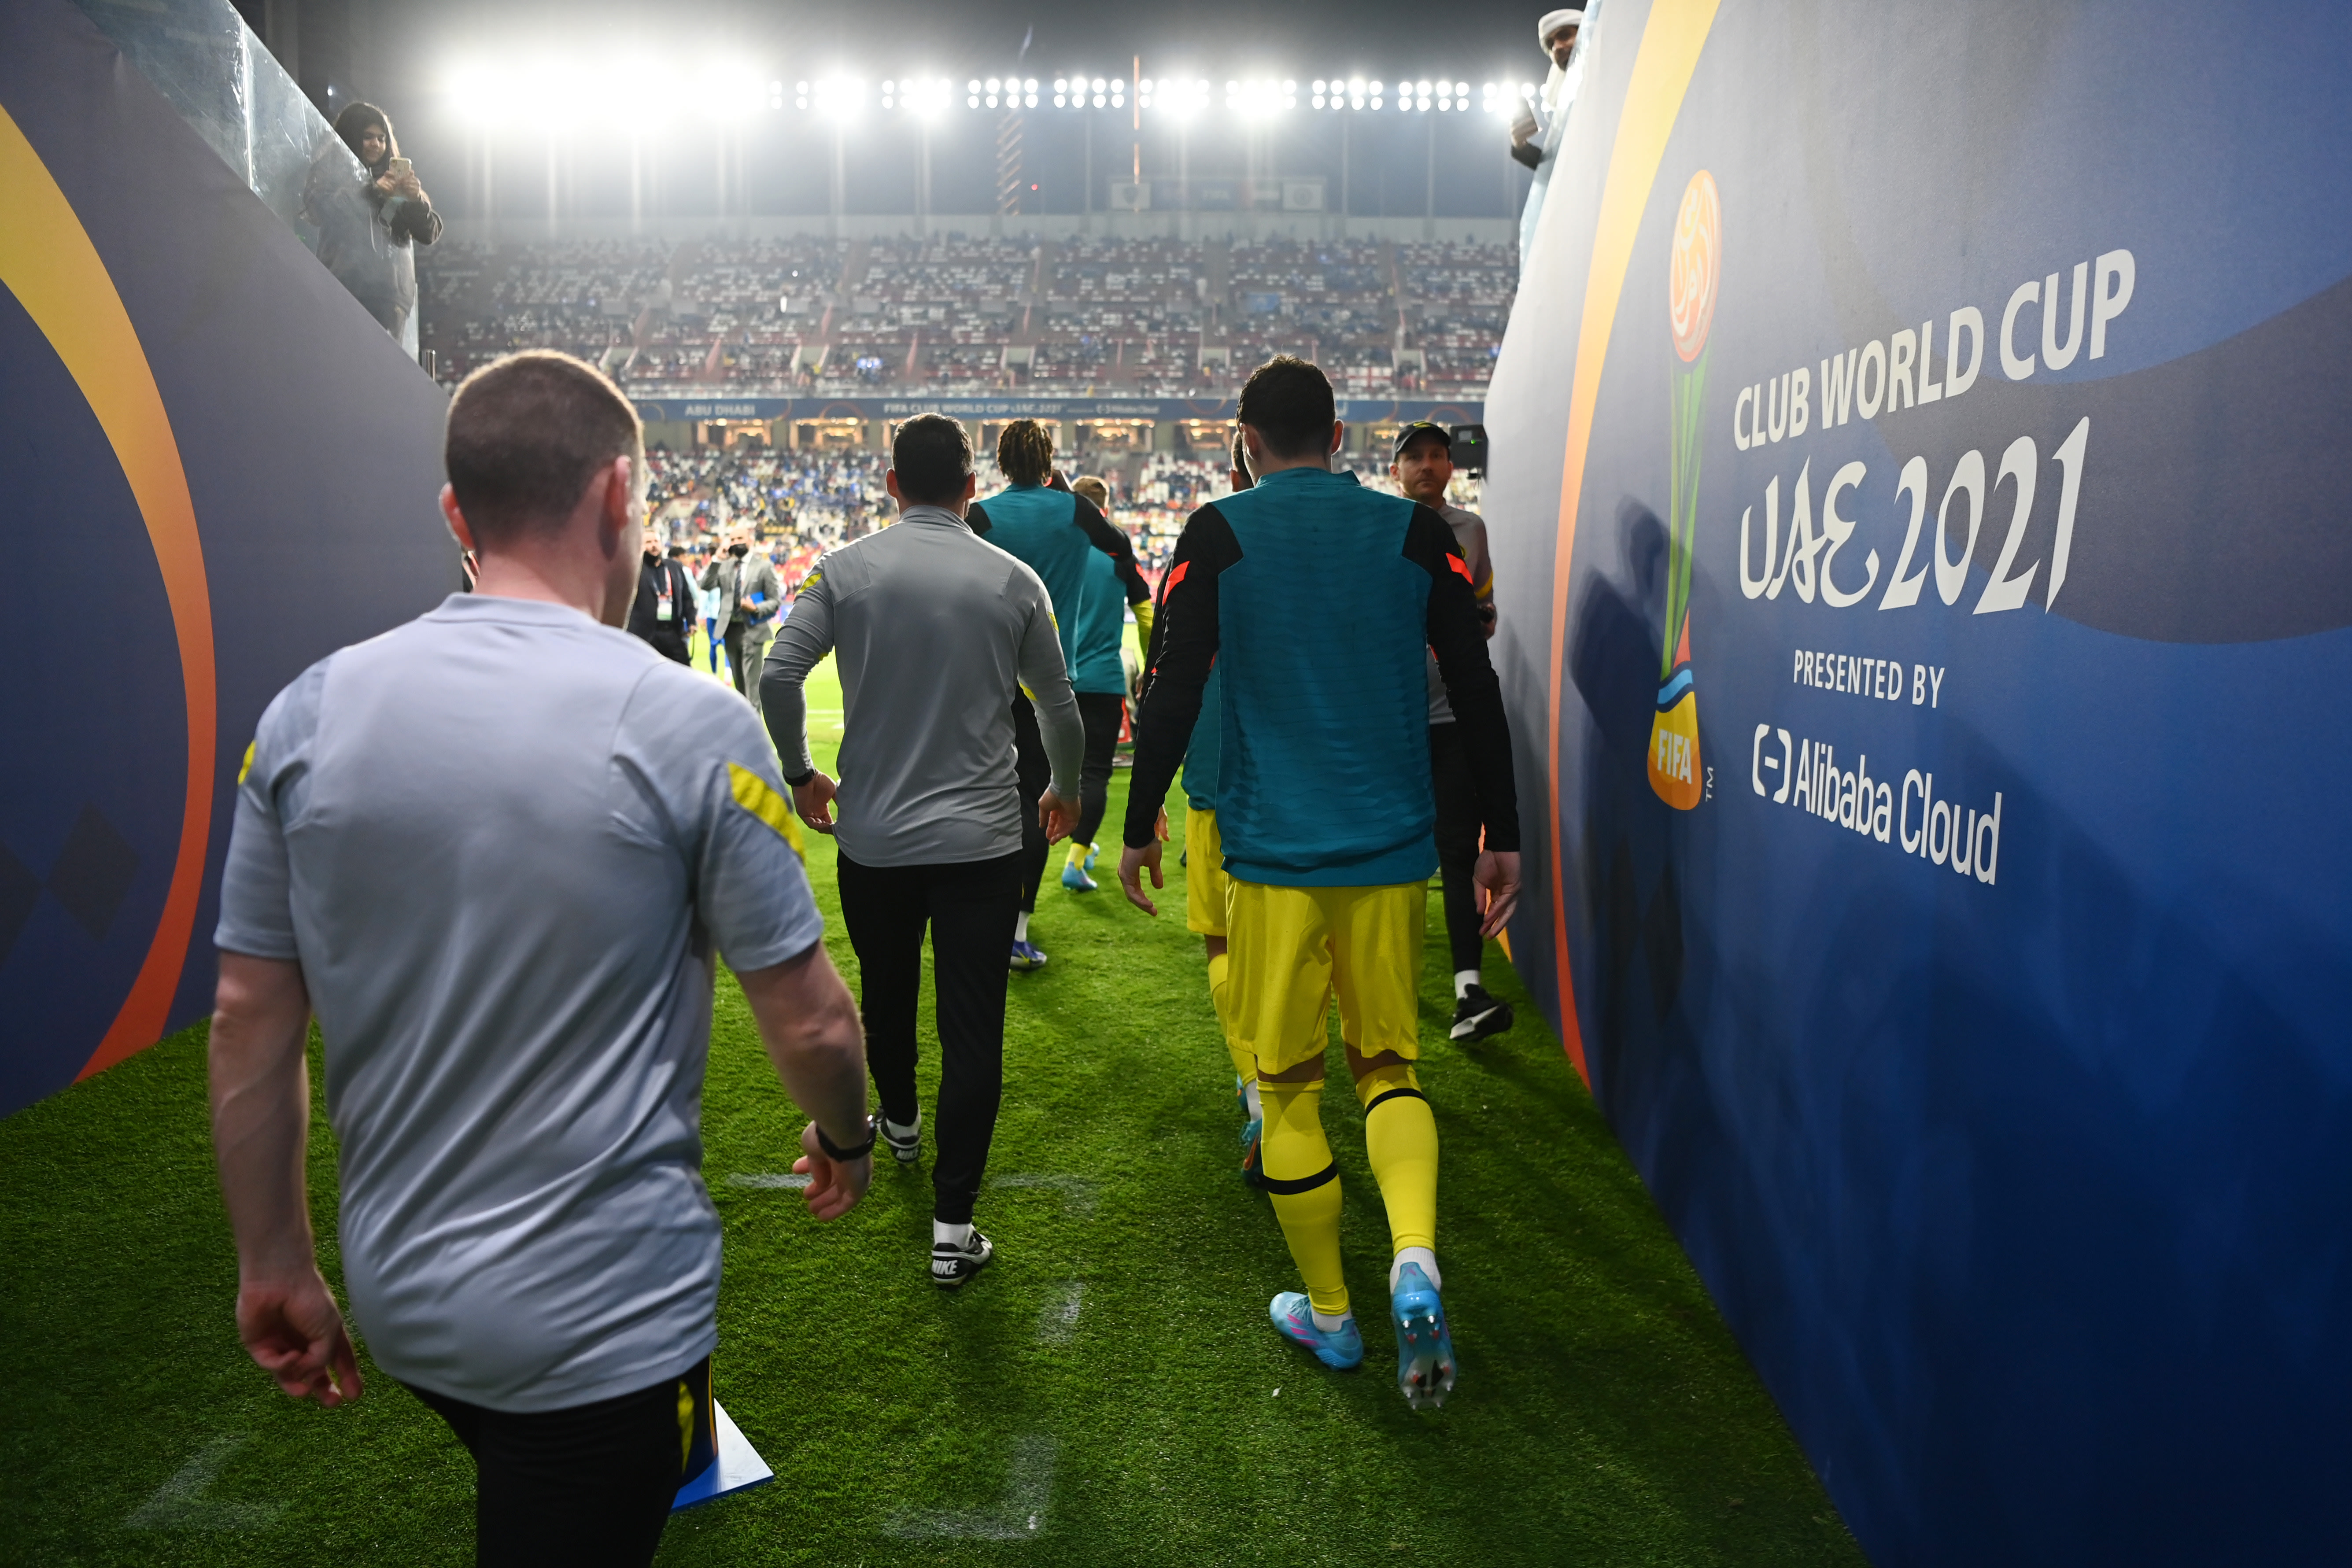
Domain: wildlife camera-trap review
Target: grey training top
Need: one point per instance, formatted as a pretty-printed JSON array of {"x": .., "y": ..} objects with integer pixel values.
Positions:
[
  {"x": 1470, "y": 536},
  {"x": 502, "y": 842},
  {"x": 935, "y": 627}
]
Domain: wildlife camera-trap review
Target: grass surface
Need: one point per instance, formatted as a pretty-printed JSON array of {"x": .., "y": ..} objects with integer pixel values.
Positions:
[{"x": 1108, "y": 1392}]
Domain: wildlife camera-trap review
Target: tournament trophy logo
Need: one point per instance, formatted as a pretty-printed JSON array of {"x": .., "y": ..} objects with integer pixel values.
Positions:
[{"x": 1694, "y": 273}]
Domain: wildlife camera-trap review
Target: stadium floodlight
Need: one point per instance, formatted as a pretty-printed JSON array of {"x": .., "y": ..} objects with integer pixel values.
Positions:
[{"x": 839, "y": 97}]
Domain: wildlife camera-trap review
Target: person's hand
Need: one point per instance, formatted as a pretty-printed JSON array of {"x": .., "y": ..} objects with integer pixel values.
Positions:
[
  {"x": 407, "y": 186},
  {"x": 834, "y": 1186},
  {"x": 1498, "y": 881},
  {"x": 1160, "y": 828},
  {"x": 387, "y": 185},
  {"x": 1131, "y": 864},
  {"x": 1057, "y": 817},
  {"x": 812, "y": 802},
  {"x": 295, "y": 1333}
]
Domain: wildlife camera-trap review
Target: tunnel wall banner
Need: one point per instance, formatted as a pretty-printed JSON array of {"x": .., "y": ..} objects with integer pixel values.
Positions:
[
  {"x": 218, "y": 469},
  {"x": 1922, "y": 513}
]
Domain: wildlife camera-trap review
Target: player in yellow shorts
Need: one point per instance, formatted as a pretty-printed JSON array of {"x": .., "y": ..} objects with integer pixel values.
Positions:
[
  {"x": 1325, "y": 817},
  {"x": 1205, "y": 882}
]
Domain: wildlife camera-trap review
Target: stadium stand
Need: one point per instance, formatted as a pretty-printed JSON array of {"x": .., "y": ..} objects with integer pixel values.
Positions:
[{"x": 961, "y": 314}]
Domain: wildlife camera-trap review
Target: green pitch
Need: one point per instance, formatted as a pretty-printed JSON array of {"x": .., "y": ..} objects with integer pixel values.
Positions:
[{"x": 1108, "y": 1392}]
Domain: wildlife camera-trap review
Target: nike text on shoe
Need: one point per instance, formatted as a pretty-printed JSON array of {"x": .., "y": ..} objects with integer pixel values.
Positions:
[
  {"x": 952, "y": 1265},
  {"x": 1477, "y": 1015},
  {"x": 1424, "y": 1347},
  {"x": 1340, "y": 1349},
  {"x": 905, "y": 1144}
]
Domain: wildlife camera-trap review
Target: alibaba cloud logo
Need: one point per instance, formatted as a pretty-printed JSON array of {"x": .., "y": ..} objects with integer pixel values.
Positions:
[{"x": 1694, "y": 273}]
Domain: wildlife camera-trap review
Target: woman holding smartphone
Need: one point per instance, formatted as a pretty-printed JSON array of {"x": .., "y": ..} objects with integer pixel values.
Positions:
[{"x": 370, "y": 217}]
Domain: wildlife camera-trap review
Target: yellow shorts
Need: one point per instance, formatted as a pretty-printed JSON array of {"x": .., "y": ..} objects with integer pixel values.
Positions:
[
  {"x": 1204, "y": 874},
  {"x": 1290, "y": 948}
]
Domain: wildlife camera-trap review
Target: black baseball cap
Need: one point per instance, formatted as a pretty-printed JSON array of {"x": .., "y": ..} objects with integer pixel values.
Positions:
[{"x": 1422, "y": 427}]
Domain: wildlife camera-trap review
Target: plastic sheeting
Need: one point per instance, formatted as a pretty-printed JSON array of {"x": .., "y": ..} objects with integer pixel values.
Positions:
[{"x": 229, "y": 87}]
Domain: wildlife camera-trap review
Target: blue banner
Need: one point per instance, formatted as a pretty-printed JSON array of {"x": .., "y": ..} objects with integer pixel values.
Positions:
[
  {"x": 1918, "y": 509},
  {"x": 223, "y": 470}
]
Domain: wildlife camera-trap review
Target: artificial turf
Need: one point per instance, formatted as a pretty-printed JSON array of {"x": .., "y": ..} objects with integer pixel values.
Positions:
[{"x": 1110, "y": 1392}]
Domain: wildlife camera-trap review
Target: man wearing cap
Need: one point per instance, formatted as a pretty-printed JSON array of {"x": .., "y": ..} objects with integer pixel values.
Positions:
[
  {"x": 1422, "y": 467},
  {"x": 1538, "y": 128}
]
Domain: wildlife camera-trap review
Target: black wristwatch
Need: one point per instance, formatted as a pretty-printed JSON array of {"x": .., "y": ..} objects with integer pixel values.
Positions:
[
  {"x": 797, "y": 782},
  {"x": 845, "y": 1155}
]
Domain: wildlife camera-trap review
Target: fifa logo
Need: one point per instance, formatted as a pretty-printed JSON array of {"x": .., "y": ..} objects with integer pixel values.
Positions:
[{"x": 1694, "y": 272}]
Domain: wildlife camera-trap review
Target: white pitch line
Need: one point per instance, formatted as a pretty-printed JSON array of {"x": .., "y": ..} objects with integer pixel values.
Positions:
[
  {"x": 180, "y": 1503},
  {"x": 1057, "y": 1320},
  {"x": 1018, "y": 1515},
  {"x": 765, "y": 1179},
  {"x": 1079, "y": 1192}
]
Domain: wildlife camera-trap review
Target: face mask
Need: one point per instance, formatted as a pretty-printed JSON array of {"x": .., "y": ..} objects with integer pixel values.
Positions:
[{"x": 738, "y": 551}]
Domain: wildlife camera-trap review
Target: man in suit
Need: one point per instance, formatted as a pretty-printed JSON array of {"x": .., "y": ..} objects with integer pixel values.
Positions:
[{"x": 749, "y": 595}]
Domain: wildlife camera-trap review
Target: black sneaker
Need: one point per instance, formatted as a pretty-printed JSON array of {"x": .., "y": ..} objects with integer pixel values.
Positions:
[
  {"x": 952, "y": 1265},
  {"x": 906, "y": 1150},
  {"x": 1477, "y": 1015}
]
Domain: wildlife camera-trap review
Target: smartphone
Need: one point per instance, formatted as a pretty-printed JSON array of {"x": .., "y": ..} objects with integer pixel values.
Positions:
[{"x": 398, "y": 167}]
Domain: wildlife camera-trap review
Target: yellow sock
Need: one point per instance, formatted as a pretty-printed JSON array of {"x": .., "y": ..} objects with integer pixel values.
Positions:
[
  {"x": 1078, "y": 852},
  {"x": 1401, "y": 1142},
  {"x": 1220, "y": 996},
  {"x": 1298, "y": 1158}
]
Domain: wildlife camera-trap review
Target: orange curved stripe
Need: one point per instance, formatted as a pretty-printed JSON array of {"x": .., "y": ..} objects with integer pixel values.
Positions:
[
  {"x": 48, "y": 261},
  {"x": 1671, "y": 41}
]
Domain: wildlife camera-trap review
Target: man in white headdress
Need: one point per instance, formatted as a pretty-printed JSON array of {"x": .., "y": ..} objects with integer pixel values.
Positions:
[{"x": 1540, "y": 124}]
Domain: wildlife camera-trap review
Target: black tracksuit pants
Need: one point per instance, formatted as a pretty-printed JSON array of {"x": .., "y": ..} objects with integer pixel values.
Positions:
[
  {"x": 1459, "y": 830},
  {"x": 1101, "y": 713},
  {"x": 969, "y": 908},
  {"x": 590, "y": 1485},
  {"x": 1034, "y": 773}
]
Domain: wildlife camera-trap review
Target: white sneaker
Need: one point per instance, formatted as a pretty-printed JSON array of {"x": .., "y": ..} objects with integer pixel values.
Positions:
[{"x": 952, "y": 1265}]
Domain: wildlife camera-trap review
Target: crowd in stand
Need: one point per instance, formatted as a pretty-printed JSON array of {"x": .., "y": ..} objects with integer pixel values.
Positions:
[{"x": 957, "y": 314}]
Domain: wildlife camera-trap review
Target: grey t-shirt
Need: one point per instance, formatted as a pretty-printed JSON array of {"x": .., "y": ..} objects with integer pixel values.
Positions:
[
  {"x": 503, "y": 842},
  {"x": 1470, "y": 535},
  {"x": 934, "y": 627}
]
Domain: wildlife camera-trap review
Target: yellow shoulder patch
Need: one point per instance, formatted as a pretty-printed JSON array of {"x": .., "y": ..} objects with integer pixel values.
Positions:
[
  {"x": 754, "y": 794},
  {"x": 246, "y": 766}
]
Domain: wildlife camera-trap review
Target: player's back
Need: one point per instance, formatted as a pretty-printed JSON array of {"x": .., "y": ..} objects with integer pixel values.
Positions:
[{"x": 1323, "y": 772}]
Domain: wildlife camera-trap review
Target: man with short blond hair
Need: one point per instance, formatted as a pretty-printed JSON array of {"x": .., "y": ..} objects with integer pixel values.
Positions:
[{"x": 497, "y": 852}]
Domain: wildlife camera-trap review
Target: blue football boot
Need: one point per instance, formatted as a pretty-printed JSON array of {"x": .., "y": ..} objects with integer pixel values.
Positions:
[
  {"x": 1074, "y": 878},
  {"x": 1027, "y": 956},
  {"x": 1340, "y": 1349},
  {"x": 1424, "y": 1348}
]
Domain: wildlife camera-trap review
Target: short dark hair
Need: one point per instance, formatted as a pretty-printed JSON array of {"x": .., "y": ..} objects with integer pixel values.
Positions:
[
  {"x": 931, "y": 455},
  {"x": 525, "y": 436},
  {"x": 1289, "y": 403}
]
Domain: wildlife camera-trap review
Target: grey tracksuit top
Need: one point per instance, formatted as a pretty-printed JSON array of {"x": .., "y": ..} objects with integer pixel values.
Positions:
[{"x": 936, "y": 630}]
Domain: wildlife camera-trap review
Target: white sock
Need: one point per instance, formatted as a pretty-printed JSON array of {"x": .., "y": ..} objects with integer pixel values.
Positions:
[
  {"x": 1020, "y": 926},
  {"x": 1249, "y": 1097},
  {"x": 1328, "y": 1323},
  {"x": 1463, "y": 980},
  {"x": 957, "y": 1234},
  {"x": 1420, "y": 1254},
  {"x": 902, "y": 1131}
]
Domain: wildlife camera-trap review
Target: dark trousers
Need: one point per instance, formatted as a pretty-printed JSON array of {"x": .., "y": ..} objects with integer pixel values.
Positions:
[
  {"x": 1459, "y": 836},
  {"x": 969, "y": 908},
  {"x": 1034, "y": 773},
  {"x": 590, "y": 1487},
  {"x": 1100, "y": 712}
]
